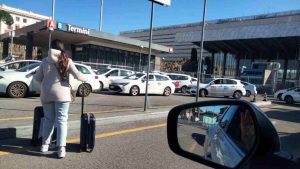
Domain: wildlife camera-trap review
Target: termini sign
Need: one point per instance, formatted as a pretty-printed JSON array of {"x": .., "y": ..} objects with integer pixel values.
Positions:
[{"x": 79, "y": 30}]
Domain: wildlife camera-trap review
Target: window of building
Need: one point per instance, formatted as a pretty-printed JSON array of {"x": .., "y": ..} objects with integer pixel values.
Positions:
[
  {"x": 24, "y": 20},
  {"x": 18, "y": 19}
]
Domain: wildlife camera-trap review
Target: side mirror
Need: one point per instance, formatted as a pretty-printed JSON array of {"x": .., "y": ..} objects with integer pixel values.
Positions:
[
  {"x": 33, "y": 73},
  {"x": 107, "y": 75},
  {"x": 195, "y": 131}
]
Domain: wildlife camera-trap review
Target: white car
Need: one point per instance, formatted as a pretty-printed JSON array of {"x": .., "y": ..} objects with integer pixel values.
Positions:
[
  {"x": 291, "y": 96},
  {"x": 136, "y": 84},
  {"x": 106, "y": 75},
  {"x": 181, "y": 81},
  {"x": 19, "y": 83},
  {"x": 13, "y": 65},
  {"x": 219, "y": 87},
  {"x": 250, "y": 89},
  {"x": 279, "y": 93}
]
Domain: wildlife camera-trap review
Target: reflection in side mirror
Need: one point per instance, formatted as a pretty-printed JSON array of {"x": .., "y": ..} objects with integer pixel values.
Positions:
[{"x": 222, "y": 134}]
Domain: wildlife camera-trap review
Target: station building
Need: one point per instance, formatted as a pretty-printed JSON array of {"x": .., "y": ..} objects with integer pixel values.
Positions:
[
  {"x": 233, "y": 43},
  {"x": 86, "y": 45}
]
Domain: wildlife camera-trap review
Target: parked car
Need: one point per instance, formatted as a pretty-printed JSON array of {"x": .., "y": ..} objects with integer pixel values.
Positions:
[
  {"x": 106, "y": 75},
  {"x": 136, "y": 84},
  {"x": 250, "y": 88},
  {"x": 219, "y": 87},
  {"x": 279, "y": 93},
  {"x": 19, "y": 83},
  {"x": 291, "y": 96},
  {"x": 13, "y": 65},
  {"x": 181, "y": 81}
]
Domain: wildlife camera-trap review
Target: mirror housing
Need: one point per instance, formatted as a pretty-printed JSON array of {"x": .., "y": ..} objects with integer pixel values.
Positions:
[{"x": 266, "y": 142}]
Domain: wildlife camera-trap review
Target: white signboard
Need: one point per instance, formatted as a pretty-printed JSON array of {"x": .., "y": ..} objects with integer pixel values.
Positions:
[
  {"x": 163, "y": 2},
  {"x": 75, "y": 29}
]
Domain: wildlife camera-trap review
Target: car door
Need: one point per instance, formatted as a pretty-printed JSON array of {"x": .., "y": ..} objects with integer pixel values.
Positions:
[
  {"x": 223, "y": 148},
  {"x": 160, "y": 84},
  {"x": 214, "y": 87},
  {"x": 297, "y": 95},
  {"x": 151, "y": 84},
  {"x": 229, "y": 86}
]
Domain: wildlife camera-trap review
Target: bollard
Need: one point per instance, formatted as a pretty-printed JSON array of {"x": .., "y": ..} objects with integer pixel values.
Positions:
[
  {"x": 254, "y": 98},
  {"x": 265, "y": 97}
]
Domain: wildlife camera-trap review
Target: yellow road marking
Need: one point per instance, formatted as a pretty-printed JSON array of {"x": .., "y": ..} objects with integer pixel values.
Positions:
[
  {"x": 192, "y": 148},
  {"x": 103, "y": 135},
  {"x": 95, "y": 112},
  {"x": 98, "y": 136}
]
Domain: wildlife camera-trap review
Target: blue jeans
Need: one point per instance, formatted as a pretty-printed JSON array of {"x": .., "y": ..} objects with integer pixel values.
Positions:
[{"x": 55, "y": 114}]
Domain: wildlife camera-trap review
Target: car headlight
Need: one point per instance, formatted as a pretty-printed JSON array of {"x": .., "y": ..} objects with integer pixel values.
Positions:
[{"x": 123, "y": 84}]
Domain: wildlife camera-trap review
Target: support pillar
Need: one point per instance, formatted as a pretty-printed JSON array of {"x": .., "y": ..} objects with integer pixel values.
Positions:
[
  {"x": 5, "y": 48},
  {"x": 237, "y": 66},
  {"x": 224, "y": 64},
  {"x": 285, "y": 67},
  {"x": 212, "y": 67},
  {"x": 29, "y": 45}
]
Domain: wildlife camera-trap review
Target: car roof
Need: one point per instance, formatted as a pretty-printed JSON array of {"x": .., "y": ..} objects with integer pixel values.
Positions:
[
  {"x": 177, "y": 74},
  {"x": 16, "y": 61}
]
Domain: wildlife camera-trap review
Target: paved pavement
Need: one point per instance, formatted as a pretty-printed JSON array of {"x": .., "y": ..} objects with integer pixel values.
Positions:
[{"x": 126, "y": 137}]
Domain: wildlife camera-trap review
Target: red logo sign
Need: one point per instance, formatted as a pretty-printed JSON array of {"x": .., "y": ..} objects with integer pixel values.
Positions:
[{"x": 51, "y": 24}]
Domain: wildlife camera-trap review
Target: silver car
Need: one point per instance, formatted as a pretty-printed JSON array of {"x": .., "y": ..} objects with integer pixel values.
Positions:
[{"x": 219, "y": 87}]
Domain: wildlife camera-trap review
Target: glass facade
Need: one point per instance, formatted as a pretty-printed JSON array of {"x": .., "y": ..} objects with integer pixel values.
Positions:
[{"x": 115, "y": 57}]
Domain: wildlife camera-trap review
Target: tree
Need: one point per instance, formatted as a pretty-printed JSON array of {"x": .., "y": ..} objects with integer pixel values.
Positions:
[{"x": 6, "y": 17}]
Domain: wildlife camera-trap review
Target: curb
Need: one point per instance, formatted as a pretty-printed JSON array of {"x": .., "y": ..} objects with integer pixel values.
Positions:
[
  {"x": 262, "y": 103},
  {"x": 26, "y": 131}
]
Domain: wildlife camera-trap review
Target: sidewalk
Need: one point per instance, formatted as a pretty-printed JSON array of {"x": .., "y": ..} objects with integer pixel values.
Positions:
[{"x": 23, "y": 128}]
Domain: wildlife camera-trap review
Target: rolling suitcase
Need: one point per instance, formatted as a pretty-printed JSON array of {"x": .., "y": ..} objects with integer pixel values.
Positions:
[
  {"x": 38, "y": 127},
  {"x": 87, "y": 129}
]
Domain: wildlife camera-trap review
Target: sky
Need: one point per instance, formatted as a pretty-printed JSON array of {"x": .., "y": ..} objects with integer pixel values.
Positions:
[{"x": 124, "y": 15}]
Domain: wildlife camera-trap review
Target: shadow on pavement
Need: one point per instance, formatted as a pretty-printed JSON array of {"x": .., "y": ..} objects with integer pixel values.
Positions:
[
  {"x": 285, "y": 115},
  {"x": 199, "y": 138},
  {"x": 284, "y": 104},
  {"x": 23, "y": 146},
  {"x": 290, "y": 143}
]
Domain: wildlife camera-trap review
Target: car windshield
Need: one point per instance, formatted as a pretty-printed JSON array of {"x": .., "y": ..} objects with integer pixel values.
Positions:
[
  {"x": 101, "y": 71},
  {"x": 135, "y": 76},
  {"x": 28, "y": 68}
]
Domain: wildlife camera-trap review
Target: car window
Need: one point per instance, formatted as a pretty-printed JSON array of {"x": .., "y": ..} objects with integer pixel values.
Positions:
[
  {"x": 124, "y": 73},
  {"x": 183, "y": 78},
  {"x": 113, "y": 73},
  {"x": 194, "y": 80},
  {"x": 174, "y": 77},
  {"x": 151, "y": 78},
  {"x": 83, "y": 69},
  {"x": 28, "y": 68},
  {"x": 161, "y": 78},
  {"x": 227, "y": 81},
  {"x": 241, "y": 128},
  {"x": 218, "y": 81},
  {"x": 227, "y": 116},
  {"x": 13, "y": 66}
]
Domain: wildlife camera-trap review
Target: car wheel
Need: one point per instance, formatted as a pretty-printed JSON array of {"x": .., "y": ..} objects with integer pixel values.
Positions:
[
  {"x": 202, "y": 93},
  {"x": 289, "y": 99},
  {"x": 248, "y": 93},
  {"x": 279, "y": 96},
  {"x": 183, "y": 89},
  {"x": 134, "y": 91},
  {"x": 237, "y": 94},
  {"x": 87, "y": 90},
  {"x": 167, "y": 91},
  {"x": 17, "y": 90},
  {"x": 101, "y": 86}
]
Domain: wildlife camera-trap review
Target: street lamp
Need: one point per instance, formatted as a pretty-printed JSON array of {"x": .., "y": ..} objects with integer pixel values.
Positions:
[
  {"x": 52, "y": 18},
  {"x": 201, "y": 52},
  {"x": 101, "y": 13},
  {"x": 141, "y": 47},
  {"x": 160, "y": 2}
]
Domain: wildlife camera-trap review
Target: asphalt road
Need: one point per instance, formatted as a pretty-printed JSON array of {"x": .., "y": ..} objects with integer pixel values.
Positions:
[{"x": 134, "y": 144}]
